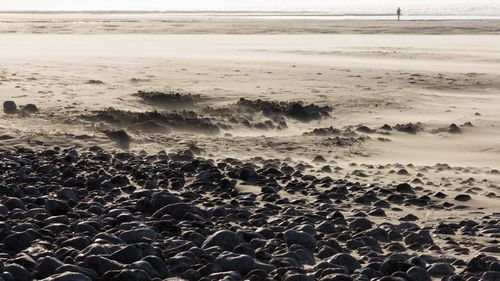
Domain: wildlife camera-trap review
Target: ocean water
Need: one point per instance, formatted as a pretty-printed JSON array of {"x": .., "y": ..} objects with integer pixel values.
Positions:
[
  {"x": 332, "y": 16},
  {"x": 296, "y": 9},
  {"x": 145, "y": 16},
  {"x": 334, "y": 6}
]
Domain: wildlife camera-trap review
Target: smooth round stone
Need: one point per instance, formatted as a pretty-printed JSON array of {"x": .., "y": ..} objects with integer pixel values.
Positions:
[{"x": 441, "y": 269}]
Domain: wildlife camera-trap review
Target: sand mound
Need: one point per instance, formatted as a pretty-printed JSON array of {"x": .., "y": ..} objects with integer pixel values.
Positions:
[
  {"x": 154, "y": 121},
  {"x": 170, "y": 98},
  {"x": 294, "y": 110}
]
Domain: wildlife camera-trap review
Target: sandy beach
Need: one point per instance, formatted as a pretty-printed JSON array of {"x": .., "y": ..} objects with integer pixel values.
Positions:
[{"x": 361, "y": 111}]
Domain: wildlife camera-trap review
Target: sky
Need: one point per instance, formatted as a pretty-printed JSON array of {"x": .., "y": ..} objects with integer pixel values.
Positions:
[{"x": 341, "y": 6}]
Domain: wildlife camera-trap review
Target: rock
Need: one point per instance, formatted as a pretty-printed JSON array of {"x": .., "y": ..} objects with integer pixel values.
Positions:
[
  {"x": 145, "y": 267},
  {"x": 454, "y": 129},
  {"x": 371, "y": 273},
  {"x": 9, "y": 107},
  {"x": 409, "y": 217},
  {"x": 158, "y": 264},
  {"x": 191, "y": 274},
  {"x": 199, "y": 222},
  {"x": 126, "y": 255},
  {"x": 29, "y": 108},
  {"x": 68, "y": 194},
  {"x": 337, "y": 277},
  {"x": 56, "y": 207},
  {"x": 78, "y": 243},
  {"x": 403, "y": 172},
  {"x": 177, "y": 210},
  {"x": 420, "y": 238},
  {"x": 418, "y": 274},
  {"x": 305, "y": 256},
  {"x": 3, "y": 210},
  {"x": 360, "y": 224},
  {"x": 326, "y": 251},
  {"x": 410, "y": 128},
  {"x": 226, "y": 275},
  {"x": 377, "y": 212},
  {"x": 126, "y": 274},
  {"x": 305, "y": 239},
  {"x": 326, "y": 227},
  {"x": 490, "y": 249},
  {"x": 162, "y": 199},
  {"x": 463, "y": 197},
  {"x": 298, "y": 277},
  {"x": 404, "y": 188},
  {"x": 394, "y": 264},
  {"x": 494, "y": 266},
  {"x": 491, "y": 276},
  {"x": 101, "y": 265},
  {"x": 248, "y": 174},
  {"x": 19, "y": 272},
  {"x": 77, "y": 269},
  {"x": 477, "y": 264},
  {"x": 326, "y": 169},
  {"x": 14, "y": 203},
  {"x": 233, "y": 262},
  {"x": 137, "y": 235},
  {"x": 46, "y": 266},
  {"x": 68, "y": 276},
  {"x": 17, "y": 241},
  {"x": 6, "y": 276},
  {"x": 225, "y": 239},
  {"x": 319, "y": 159},
  {"x": 347, "y": 261},
  {"x": 441, "y": 270},
  {"x": 440, "y": 195}
]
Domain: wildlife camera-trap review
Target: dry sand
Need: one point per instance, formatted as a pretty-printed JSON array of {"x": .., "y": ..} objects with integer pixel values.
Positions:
[
  {"x": 437, "y": 73},
  {"x": 368, "y": 79}
]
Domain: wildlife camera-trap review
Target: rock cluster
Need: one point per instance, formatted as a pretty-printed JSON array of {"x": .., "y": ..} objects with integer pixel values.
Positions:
[{"x": 98, "y": 215}]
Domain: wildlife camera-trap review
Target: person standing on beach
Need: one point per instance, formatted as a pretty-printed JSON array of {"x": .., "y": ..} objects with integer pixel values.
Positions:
[{"x": 398, "y": 12}]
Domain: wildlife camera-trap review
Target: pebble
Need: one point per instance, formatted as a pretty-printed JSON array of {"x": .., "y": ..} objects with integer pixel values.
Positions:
[
  {"x": 347, "y": 261},
  {"x": 307, "y": 240},
  {"x": 226, "y": 239},
  {"x": 360, "y": 224},
  {"x": 56, "y": 207},
  {"x": 463, "y": 197},
  {"x": 416, "y": 273},
  {"x": 404, "y": 188},
  {"x": 9, "y": 107},
  {"x": 18, "y": 272},
  {"x": 137, "y": 235},
  {"x": 441, "y": 270},
  {"x": 18, "y": 241}
]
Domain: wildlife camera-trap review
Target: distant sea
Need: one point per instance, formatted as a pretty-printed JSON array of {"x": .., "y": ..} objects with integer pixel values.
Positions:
[
  {"x": 331, "y": 16},
  {"x": 154, "y": 15}
]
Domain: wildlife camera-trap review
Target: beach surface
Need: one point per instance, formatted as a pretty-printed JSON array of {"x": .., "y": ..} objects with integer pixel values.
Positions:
[{"x": 375, "y": 103}]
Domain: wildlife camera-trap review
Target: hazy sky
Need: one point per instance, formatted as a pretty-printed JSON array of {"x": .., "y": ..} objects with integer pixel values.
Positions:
[{"x": 330, "y": 5}]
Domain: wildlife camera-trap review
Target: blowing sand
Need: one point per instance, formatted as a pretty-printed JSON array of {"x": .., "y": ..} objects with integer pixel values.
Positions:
[{"x": 416, "y": 102}]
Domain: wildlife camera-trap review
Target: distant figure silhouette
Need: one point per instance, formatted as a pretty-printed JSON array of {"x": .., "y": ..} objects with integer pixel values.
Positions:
[{"x": 398, "y": 12}]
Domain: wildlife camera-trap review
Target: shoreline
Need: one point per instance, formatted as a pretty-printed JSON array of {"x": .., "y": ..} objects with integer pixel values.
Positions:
[{"x": 185, "y": 24}]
